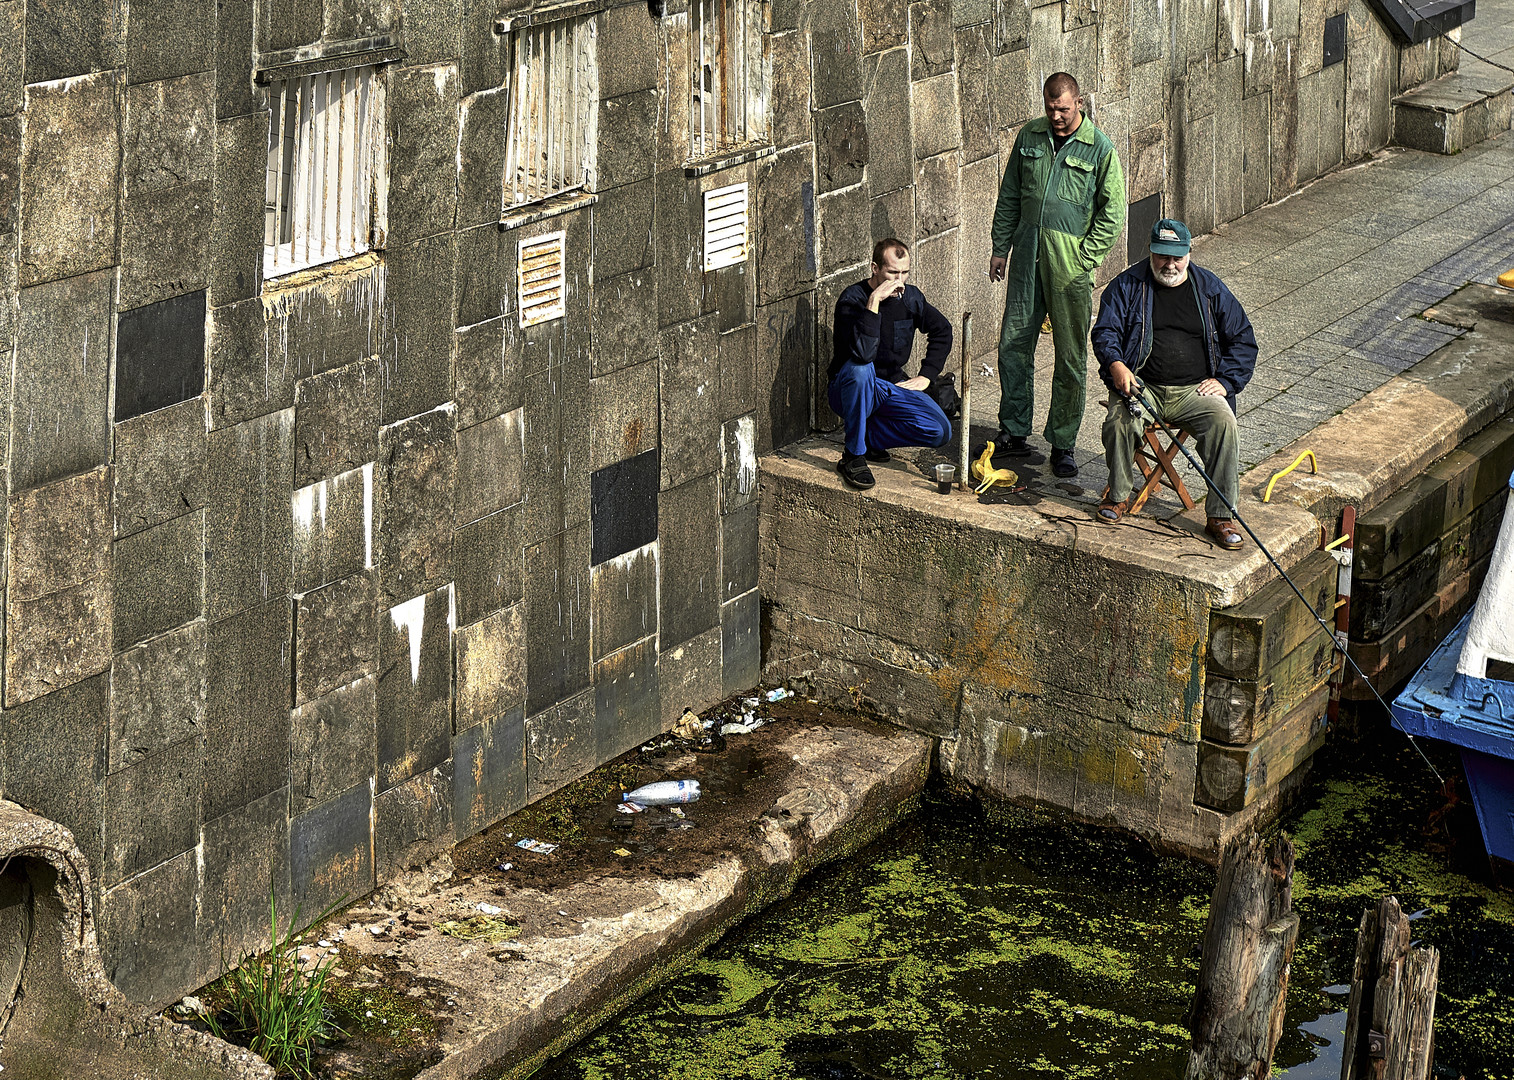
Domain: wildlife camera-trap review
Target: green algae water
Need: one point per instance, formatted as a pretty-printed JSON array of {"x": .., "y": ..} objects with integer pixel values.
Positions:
[{"x": 1002, "y": 943}]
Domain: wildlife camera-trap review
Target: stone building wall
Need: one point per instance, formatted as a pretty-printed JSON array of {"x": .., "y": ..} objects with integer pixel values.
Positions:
[{"x": 307, "y": 578}]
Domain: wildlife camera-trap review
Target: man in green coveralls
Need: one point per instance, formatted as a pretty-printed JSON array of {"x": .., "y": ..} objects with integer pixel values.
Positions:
[{"x": 1061, "y": 207}]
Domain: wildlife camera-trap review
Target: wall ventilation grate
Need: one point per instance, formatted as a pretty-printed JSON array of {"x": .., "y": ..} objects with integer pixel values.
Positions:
[
  {"x": 725, "y": 226},
  {"x": 540, "y": 277}
]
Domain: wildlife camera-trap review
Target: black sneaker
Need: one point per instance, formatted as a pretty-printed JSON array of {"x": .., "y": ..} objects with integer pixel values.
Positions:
[
  {"x": 1062, "y": 463},
  {"x": 1014, "y": 445},
  {"x": 854, "y": 470},
  {"x": 878, "y": 457}
]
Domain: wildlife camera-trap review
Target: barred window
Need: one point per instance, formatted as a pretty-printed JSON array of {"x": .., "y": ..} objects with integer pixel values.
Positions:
[
  {"x": 324, "y": 134},
  {"x": 549, "y": 145},
  {"x": 728, "y": 60}
]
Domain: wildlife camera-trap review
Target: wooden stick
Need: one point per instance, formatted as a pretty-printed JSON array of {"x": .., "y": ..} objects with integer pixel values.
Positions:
[{"x": 964, "y": 481}]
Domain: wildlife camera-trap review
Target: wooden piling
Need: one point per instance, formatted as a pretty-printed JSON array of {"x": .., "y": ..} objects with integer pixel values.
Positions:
[
  {"x": 1237, "y": 1013},
  {"x": 1390, "y": 1021}
]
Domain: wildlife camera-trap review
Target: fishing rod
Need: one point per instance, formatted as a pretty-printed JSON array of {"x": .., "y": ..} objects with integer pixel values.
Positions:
[{"x": 1138, "y": 405}]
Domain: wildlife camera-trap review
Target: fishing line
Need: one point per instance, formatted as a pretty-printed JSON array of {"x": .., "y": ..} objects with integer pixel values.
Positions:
[{"x": 1137, "y": 406}]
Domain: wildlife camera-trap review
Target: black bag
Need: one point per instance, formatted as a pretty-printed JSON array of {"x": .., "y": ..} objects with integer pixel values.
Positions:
[{"x": 943, "y": 391}]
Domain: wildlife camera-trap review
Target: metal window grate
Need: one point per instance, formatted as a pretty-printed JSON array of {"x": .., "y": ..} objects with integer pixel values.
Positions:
[
  {"x": 318, "y": 197},
  {"x": 549, "y": 146},
  {"x": 725, "y": 226},
  {"x": 727, "y": 50},
  {"x": 540, "y": 279}
]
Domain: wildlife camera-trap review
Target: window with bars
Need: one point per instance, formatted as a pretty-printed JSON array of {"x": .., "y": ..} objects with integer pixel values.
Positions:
[
  {"x": 728, "y": 59},
  {"x": 549, "y": 143},
  {"x": 325, "y": 138}
]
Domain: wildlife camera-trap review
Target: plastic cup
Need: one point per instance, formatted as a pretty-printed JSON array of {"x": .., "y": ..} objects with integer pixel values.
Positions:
[{"x": 946, "y": 477}]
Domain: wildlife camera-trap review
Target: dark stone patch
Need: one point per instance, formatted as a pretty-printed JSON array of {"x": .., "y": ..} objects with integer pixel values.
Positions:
[
  {"x": 624, "y": 500},
  {"x": 623, "y": 600},
  {"x": 741, "y": 642},
  {"x": 557, "y": 618},
  {"x": 245, "y": 852},
  {"x": 1140, "y": 220},
  {"x": 491, "y": 666},
  {"x": 333, "y": 529},
  {"x": 417, "y": 475},
  {"x": 159, "y": 467},
  {"x": 423, "y": 149},
  {"x": 1335, "y": 39},
  {"x": 415, "y": 338},
  {"x": 248, "y": 522},
  {"x": 739, "y": 552},
  {"x": 560, "y": 745},
  {"x": 486, "y": 564},
  {"x": 168, "y": 38},
  {"x": 690, "y": 556},
  {"x": 489, "y": 465},
  {"x": 732, "y": 294},
  {"x": 332, "y": 743},
  {"x": 627, "y": 708},
  {"x": 144, "y": 925},
  {"x": 152, "y": 811},
  {"x": 412, "y": 823},
  {"x": 331, "y": 851},
  {"x": 335, "y": 636},
  {"x": 236, "y": 238},
  {"x": 414, "y": 687},
  {"x": 335, "y": 421},
  {"x": 785, "y": 356},
  {"x": 160, "y": 355},
  {"x": 159, "y": 579},
  {"x": 247, "y": 709},
  {"x": 488, "y": 773},
  {"x": 157, "y": 695}
]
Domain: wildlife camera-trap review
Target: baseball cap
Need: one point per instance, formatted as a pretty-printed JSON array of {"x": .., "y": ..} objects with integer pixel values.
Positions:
[{"x": 1169, "y": 237}]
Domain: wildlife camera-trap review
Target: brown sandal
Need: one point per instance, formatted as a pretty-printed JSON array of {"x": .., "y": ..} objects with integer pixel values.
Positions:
[
  {"x": 1224, "y": 533},
  {"x": 1111, "y": 512}
]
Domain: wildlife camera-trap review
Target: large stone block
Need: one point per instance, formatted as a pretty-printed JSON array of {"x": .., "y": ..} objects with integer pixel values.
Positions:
[
  {"x": 937, "y": 120},
  {"x": 841, "y": 146},
  {"x": 147, "y": 933},
  {"x": 332, "y": 744},
  {"x": 12, "y": 60},
  {"x": 348, "y": 19},
  {"x": 235, "y": 91},
  {"x": 70, "y": 177},
  {"x": 623, "y": 229},
  {"x": 336, "y": 420},
  {"x": 1256, "y": 178},
  {"x": 168, "y": 39},
  {"x": 980, "y": 194},
  {"x": 1195, "y": 153},
  {"x": 557, "y": 449},
  {"x": 1148, "y": 95},
  {"x": 1199, "y": 87},
  {"x": 487, "y": 561},
  {"x": 489, "y": 465},
  {"x": 245, "y": 854},
  {"x": 836, "y": 46},
  {"x": 65, "y": 38},
  {"x": 884, "y": 25},
  {"x": 679, "y": 273},
  {"x": 738, "y": 463},
  {"x": 333, "y": 528},
  {"x": 689, "y": 528},
  {"x": 485, "y": 59},
  {"x": 741, "y": 642},
  {"x": 976, "y": 94},
  {"x": 937, "y": 197},
  {"x": 481, "y": 158},
  {"x": 624, "y": 321},
  {"x": 335, "y": 636},
  {"x": 1285, "y": 123},
  {"x": 738, "y": 371},
  {"x": 432, "y": 29},
  {"x": 236, "y": 243},
  {"x": 623, "y": 600},
  {"x": 159, "y": 466},
  {"x": 488, "y": 371},
  {"x": 689, "y": 676},
  {"x": 891, "y": 155},
  {"x": 152, "y": 811},
  {"x": 1229, "y": 143},
  {"x": 484, "y": 262},
  {"x": 935, "y": 270},
  {"x": 672, "y": 132},
  {"x": 60, "y": 396},
  {"x": 785, "y": 355},
  {"x": 629, "y": 34},
  {"x": 627, "y": 707},
  {"x": 560, "y": 745},
  {"x": 159, "y": 579},
  {"x": 166, "y": 124},
  {"x": 626, "y": 155},
  {"x": 157, "y": 695},
  {"x": 934, "y": 50},
  {"x": 1332, "y": 116},
  {"x": 488, "y": 772},
  {"x": 1232, "y": 16},
  {"x": 249, "y": 527},
  {"x": 738, "y": 553},
  {"x": 285, "y": 24},
  {"x": 1197, "y": 29},
  {"x": 894, "y": 215},
  {"x": 247, "y": 707},
  {"x": 491, "y": 666},
  {"x": 624, "y": 500},
  {"x": 248, "y": 374},
  {"x": 412, "y": 823},
  {"x": 846, "y": 229},
  {"x": 423, "y": 151},
  {"x": 1114, "y": 50},
  {"x": 785, "y": 225},
  {"x": 415, "y": 336},
  {"x": 331, "y": 851},
  {"x": 690, "y": 401},
  {"x": 58, "y": 600},
  {"x": 417, "y": 474},
  {"x": 1011, "y": 26},
  {"x": 557, "y": 618},
  {"x": 414, "y": 687},
  {"x": 625, "y": 406},
  {"x": 10, "y": 200},
  {"x": 790, "y": 56},
  {"x": 313, "y": 328}
]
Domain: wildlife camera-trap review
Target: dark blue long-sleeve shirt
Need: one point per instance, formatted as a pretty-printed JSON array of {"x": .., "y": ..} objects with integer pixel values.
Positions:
[{"x": 884, "y": 338}]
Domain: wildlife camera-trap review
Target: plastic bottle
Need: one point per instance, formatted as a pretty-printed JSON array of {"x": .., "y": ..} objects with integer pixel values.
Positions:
[{"x": 663, "y": 793}]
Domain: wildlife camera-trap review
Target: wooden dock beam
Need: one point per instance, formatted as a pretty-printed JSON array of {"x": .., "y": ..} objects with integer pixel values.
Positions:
[{"x": 1390, "y": 1022}]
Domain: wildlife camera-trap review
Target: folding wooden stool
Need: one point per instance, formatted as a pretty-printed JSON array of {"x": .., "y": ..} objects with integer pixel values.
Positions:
[{"x": 1155, "y": 463}]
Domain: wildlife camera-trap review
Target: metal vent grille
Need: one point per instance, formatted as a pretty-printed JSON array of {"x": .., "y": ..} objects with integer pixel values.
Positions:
[
  {"x": 540, "y": 276},
  {"x": 725, "y": 226},
  {"x": 318, "y": 196}
]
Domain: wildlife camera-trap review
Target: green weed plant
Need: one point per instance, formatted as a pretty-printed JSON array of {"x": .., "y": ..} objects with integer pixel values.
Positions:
[{"x": 272, "y": 1007}]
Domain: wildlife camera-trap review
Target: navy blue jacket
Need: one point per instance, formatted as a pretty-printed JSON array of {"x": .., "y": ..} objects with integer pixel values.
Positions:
[
  {"x": 860, "y": 333},
  {"x": 1123, "y": 329}
]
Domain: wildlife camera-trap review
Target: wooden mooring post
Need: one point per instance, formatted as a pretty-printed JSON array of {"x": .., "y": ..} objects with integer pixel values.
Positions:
[
  {"x": 1237, "y": 1013},
  {"x": 1390, "y": 1022}
]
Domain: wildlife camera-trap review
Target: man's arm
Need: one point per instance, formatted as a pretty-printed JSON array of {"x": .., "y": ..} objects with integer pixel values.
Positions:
[
  {"x": 1007, "y": 209},
  {"x": 1109, "y": 329},
  {"x": 938, "y": 340},
  {"x": 1108, "y": 211},
  {"x": 1237, "y": 345},
  {"x": 856, "y": 327}
]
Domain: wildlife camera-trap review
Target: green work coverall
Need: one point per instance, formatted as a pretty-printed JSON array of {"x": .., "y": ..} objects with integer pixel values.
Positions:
[{"x": 1057, "y": 217}]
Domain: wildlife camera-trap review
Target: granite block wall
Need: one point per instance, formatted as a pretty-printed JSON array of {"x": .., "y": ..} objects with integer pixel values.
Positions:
[{"x": 307, "y": 578}]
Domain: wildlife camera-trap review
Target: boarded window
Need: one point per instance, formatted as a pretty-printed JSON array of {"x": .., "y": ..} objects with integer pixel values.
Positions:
[
  {"x": 324, "y": 132},
  {"x": 725, "y": 226},
  {"x": 539, "y": 277},
  {"x": 549, "y": 143},
  {"x": 728, "y": 60}
]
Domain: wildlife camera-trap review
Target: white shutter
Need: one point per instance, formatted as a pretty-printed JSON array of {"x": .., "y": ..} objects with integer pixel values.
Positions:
[
  {"x": 725, "y": 226},
  {"x": 539, "y": 274}
]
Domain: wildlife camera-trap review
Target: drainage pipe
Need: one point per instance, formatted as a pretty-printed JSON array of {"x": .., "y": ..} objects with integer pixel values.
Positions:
[{"x": 964, "y": 481}]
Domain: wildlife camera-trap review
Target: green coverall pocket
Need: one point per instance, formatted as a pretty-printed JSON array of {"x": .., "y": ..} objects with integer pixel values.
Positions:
[
  {"x": 1077, "y": 180},
  {"x": 1030, "y": 161}
]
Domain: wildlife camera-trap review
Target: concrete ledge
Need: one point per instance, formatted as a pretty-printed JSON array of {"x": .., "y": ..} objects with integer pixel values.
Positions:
[{"x": 1452, "y": 113}]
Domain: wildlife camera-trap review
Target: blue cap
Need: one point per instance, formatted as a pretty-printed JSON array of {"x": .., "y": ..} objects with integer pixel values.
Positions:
[{"x": 1169, "y": 237}]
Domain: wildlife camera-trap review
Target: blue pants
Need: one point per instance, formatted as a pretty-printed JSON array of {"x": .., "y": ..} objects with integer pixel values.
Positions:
[{"x": 879, "y": 415}]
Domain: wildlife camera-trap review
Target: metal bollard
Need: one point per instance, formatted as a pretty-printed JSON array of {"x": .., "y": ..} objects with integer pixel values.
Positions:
[{"x": 964, "y": 480}]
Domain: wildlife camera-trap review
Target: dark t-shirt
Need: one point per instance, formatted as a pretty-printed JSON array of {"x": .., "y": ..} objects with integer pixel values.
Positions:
[
  {"x": 1059, "y": 141},
  {"x": 1177, "y": 338}
]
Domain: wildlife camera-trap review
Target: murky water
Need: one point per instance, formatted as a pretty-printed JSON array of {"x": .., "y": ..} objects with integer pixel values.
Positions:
[{"x": 1003, "y": 945}]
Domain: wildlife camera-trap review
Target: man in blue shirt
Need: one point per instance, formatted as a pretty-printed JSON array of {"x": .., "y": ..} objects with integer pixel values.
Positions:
[{"x": 877, "y": 400}]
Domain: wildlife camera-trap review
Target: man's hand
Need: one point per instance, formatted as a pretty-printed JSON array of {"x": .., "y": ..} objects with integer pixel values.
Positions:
[
  {"x": 1212, "y": 388},
  {"x": 996, "y": 266},
  {"x": 883, "y": 292},
  {"x": 919, "y": 382},
  {"x": 1123, "y": 379}
]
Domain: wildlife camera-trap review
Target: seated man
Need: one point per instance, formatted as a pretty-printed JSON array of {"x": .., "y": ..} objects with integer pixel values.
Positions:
[
  {"x": 1185, "y": 335},
  {"x": 879, "y": 403}
]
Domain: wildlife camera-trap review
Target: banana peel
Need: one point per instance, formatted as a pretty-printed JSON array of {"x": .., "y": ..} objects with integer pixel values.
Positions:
[{"x": 987, "y": 476}]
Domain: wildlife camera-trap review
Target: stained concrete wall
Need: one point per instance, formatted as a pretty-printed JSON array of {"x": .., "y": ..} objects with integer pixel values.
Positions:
[{"x": 304, "y": 582}]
